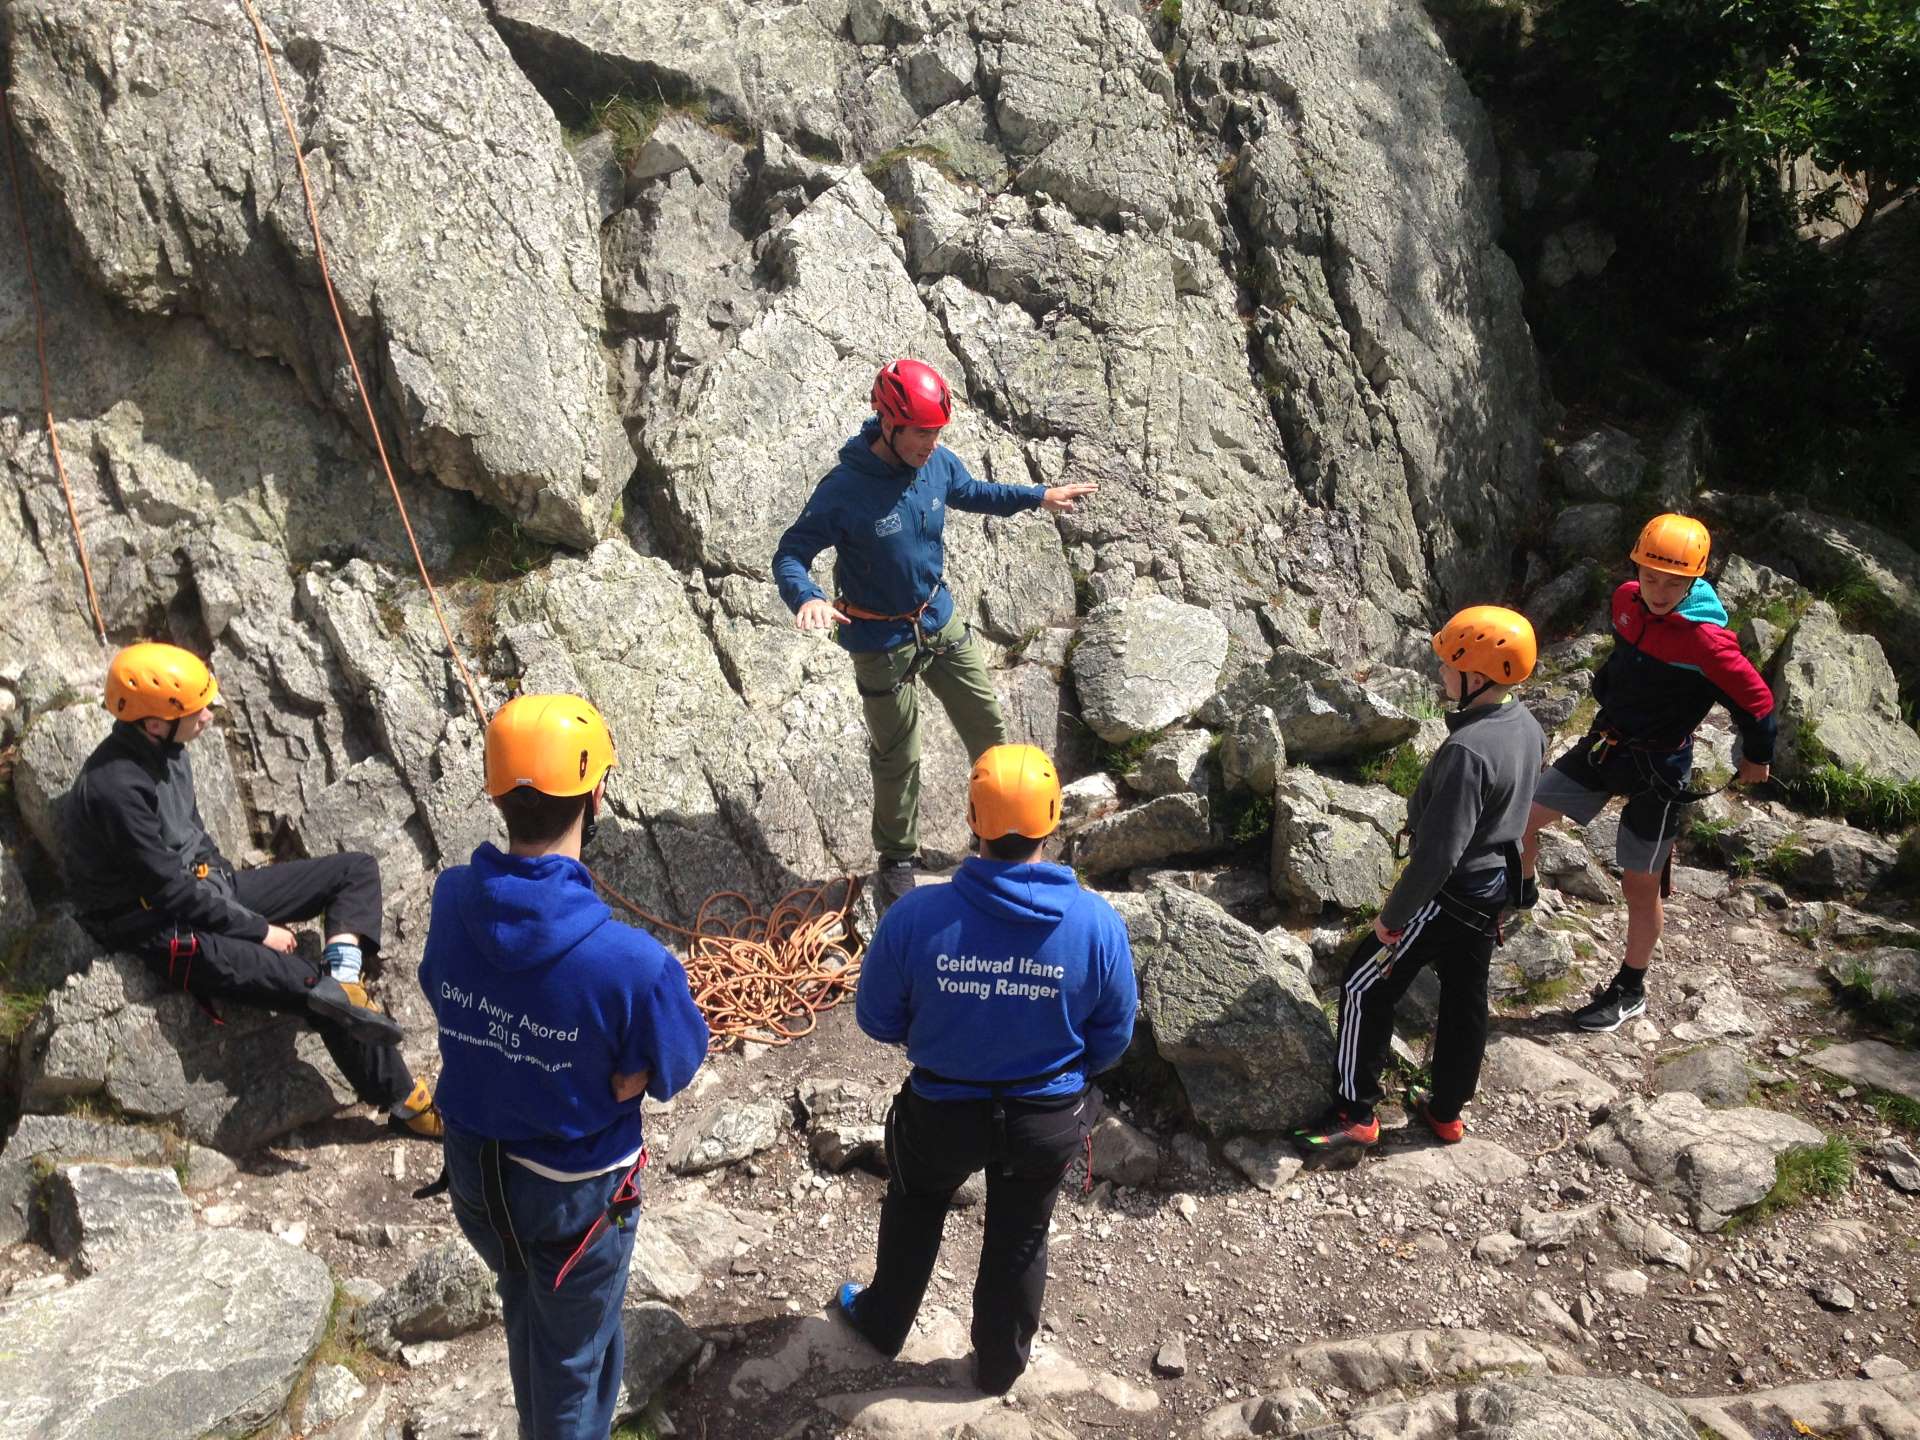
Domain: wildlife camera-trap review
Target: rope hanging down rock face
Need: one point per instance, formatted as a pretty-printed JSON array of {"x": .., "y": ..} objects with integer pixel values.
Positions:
[{"x": 764, "y": 976}]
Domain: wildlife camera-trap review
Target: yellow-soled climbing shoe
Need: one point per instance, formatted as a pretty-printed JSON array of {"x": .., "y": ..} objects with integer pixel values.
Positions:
[{"x": 418, "y": 1115}]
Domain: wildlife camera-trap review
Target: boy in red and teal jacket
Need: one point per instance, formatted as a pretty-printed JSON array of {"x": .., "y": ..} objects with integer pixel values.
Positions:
[{"x": 1673, "y": 660}]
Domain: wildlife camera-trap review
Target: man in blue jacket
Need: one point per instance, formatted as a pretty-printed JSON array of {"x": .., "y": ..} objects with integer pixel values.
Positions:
[
  {"x": 883, "y": 510},
  {"x": 1009, "y": 988},
  {"x": 554, "y": 1020}
]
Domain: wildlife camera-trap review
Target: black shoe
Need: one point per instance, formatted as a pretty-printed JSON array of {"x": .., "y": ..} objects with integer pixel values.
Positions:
[
  {"x": 351, "y": 1008},
  {"x": 1529, "y": 893},
  {"x": 1611, "y": 1009},
  {"x": 893, "y": 879}
]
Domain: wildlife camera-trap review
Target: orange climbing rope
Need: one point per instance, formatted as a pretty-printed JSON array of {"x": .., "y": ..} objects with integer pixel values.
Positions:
[
  {"x": 46, "y": 379},
  {"x": 759, "y": 976}
]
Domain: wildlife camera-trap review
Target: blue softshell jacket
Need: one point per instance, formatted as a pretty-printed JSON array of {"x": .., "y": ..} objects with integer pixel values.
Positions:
[
  {"x": 886, "y": 525},
  {"x": 1009, "y": 972},
  {"x": 542, "y": 997}
]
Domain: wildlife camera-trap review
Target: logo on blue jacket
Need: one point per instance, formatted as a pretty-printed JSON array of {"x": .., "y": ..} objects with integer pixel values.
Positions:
[{"x": 888, "y": 524}]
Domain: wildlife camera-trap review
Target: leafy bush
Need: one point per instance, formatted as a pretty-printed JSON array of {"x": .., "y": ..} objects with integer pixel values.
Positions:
[{"x": 1397, "y": 769}]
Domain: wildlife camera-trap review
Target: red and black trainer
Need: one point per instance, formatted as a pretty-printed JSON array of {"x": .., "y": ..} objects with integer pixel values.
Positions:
[
  {"x": 1420, "y": 1104},
  {"x": 1338, "y": 1138}
]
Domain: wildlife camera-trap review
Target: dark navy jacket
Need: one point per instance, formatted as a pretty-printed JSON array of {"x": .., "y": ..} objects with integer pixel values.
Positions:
[
  {"x": 886, "y": 525},
  {"x": 1667, "y": 671},
  {"x": 542, "y": 997},
  {"x": 1010, "y": 972}
]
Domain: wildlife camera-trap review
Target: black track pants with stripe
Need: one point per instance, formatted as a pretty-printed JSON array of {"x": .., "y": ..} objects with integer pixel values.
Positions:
[{"x": 1376, "y": 978}]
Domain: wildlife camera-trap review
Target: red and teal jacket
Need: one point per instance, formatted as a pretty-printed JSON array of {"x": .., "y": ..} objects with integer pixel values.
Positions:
[{"x": 1667, "y": 671}]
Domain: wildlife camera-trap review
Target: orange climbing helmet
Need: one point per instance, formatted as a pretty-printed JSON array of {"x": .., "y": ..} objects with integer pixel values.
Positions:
[
  {"x": 1489, "y": 640},
  {"x": 152, "y": 681},
  {"x": 912, "y": 393},
  {"x": 1677, "y": 544},
  {"x": 1014, "y": 791},
  {"x": 556, "y": 744}
]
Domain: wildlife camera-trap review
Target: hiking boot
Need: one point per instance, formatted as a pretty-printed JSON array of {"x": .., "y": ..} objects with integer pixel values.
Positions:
[
  {"x": 418, "y": 1115},
  {"x": 891, "y": 880},
  {"x": 1420, "y": 1106},
  {"x": 1336, "y": 1140},
  {"x": 348, "y": 1005},
  {"x": 1610, "y": 1009}
]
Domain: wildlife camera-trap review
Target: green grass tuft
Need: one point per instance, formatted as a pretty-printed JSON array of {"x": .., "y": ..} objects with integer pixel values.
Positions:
[
  {"x": 1899, "y": 1111},
  {"x": 1118, "y": 757},
  {"x": 1398, "y": 769},
  {"x": 17, "y": 1009},
  {"x": 1817, "y": 1171},
  {"x": 1249, "y": 818},
  {"x": 1171, "y": 13},
  {"x": 1872, "y": 801}
]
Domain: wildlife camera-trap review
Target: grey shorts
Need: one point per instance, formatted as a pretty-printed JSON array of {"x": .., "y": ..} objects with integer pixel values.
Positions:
[{"x": 1575, "y": 787}]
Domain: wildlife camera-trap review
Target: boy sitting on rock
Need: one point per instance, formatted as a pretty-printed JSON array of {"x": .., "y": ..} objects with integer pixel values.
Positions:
[
  {"x": 1673, "y": 659},
  {"x": 146, "y": 877},
  {"x": 1466, "y": 818}
]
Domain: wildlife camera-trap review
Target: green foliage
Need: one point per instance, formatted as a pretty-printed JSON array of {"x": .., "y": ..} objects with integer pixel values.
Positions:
[
  {"x": 1249, "y": 817},
  {"x": 1707, "y": 831},
  {"x": 876, "y": 168},
  {"x": 17, "y": 1009},
  {"x": 1898, "y": 1111},
  {"x": 1784, "y": 860},
  {"x": 1535, "y": 993},
  {"x": 500, "y": 551},
  {"x": 1171, "y": 13},
  {"x": 1872, "y": 801},
  {"x": 1860, "y": 603},
  {"x": 630, "y": 121},
  {"x": 1876, "y": 1005},
  {"x": 1117, "y": 757},
  {"x": 1398, "y": 769},
  {"x": 1821, "y": 1170}
]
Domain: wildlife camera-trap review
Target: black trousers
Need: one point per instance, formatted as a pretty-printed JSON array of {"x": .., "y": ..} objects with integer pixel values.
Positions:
[
  {"x": 1377, "y": 978},
  {"x": 346, "y": 889},
  {"x": 1025, "y": 1146}
]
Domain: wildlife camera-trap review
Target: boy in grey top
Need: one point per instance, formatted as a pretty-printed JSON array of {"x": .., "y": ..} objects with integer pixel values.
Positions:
[{"x": 1467, "y": 817}]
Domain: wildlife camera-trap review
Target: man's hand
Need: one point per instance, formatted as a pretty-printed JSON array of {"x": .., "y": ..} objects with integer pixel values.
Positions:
[
  {"x": 820, "y": 615},
  {"x": 1060, "y": 498},
  {"x": 1752, "y": 772},
  {"x": 280, "y": 938},
  {"x": 1386, "y": 937},
  {"x": 630, "y": 1087}
]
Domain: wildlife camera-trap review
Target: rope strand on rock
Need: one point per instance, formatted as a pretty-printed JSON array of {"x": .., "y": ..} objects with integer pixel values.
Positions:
[
  {"x": 46, "y": 377},
  {"x": 755, "y": 977}
]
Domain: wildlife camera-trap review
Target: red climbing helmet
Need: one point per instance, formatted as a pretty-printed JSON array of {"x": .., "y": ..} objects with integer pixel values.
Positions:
[{"x": 912, "y": 392}]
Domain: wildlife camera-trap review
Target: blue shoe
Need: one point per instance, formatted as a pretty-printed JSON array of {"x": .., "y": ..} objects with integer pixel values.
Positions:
[{"x": 849, "y": 1293}]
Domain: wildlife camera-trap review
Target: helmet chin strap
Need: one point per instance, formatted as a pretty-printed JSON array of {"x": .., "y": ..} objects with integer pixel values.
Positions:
[
  {"x": 1467, "y": 697},
  {"x": 590, "y": 822}
]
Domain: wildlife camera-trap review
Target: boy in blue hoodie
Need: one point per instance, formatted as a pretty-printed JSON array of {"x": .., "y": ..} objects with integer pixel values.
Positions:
[
  {"x": 554, "y": 1020},
  {"x": 1009, "y": 988},
  {"x": 883, "y": 511}
]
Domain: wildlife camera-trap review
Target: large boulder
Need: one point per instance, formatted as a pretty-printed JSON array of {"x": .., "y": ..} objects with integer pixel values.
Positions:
[
  {"x": 1322, "y": 712},
  {"x": 199, "y": 1334},
  {"x": 1161, "y": 829},
  {"x": 1333, "y": 841},
  {"x": 1717, "y": 1162},
  {"x": 1873, "y": 1063},
  {"x": 40, "y": 1143},
  {"x": 1604, "y": 464},
  {"x": 476, "y": 304},
  {"x": 446, "y": 1293},
  {"x": 52, "y": 751},
  {"x": 1142, "y": 665},
  {"x": 99, "y": 1213},
  {"x": 118, "y": 1031},
  {"x": 1839, "y": 700},
  {"x": 1238, "y": 1023}
]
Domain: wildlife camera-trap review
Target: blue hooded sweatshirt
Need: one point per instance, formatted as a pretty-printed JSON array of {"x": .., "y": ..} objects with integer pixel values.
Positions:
[
  {"x": 885, "y": 523},
  {"x": 542, "y": 997},
  {"x": 1009, "y": 972}
]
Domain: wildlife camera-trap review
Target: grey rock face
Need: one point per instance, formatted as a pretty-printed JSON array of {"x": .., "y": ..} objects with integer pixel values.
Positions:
[
  {"x": 1528, "y": 1068},
  {"x": 1123, "y": 1154},
  {"x": 1888, "y": 972},
  {"x": 1717, "y": 1074},
  {"x": 658, "y": 1343},
  {"x": 1324, "y": 713},
  {"x": 682, "y": 1243},
  {"x": 1332, "y": 841},
  {"x": 1253, "y": 752},
  {"x": 722, "y": 1136},
  {"x": 1532, "y": 956},
  {"x": 1596, "y": 530},
  {"x": 117, "y": 1030},
  {"x": 1473, "y": 1161},
  {"x": 1174, "y": 765},
  {"x": 332, "y": 1395},
  {"x": 448, "y": 1292},
  {"x": 476, "y": 304},
  {"x": 99, "y": 1213},
  {"x": 1838, "y": 698},
  {"x": 1873, "y": 1062},
  {"x": 1088, "y": 798},
  {"x": 1161, "y": 829},
  {"x": 17, "y": 912},
  {"x": 1142, "y": 665},
  {"x": 200, "y": 1334},
  {"x": 1269, "y": 1165},
  {"x": 1567, "y": 864},
  {"x": 1718, "y": 1162},
  {"x": 1604, "y": 464},
  {"x": 1241, "y": 1027},
  {"x": 52, "y": 1139},
  {"x": 51, "y": 753}
]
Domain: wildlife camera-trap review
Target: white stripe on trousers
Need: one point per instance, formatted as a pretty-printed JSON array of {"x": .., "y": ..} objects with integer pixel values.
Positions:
[{"x": 1353, "y": 994}]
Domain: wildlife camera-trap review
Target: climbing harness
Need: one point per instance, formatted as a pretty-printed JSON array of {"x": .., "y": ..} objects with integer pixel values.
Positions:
[
  {"x": 925, "y": 651},
  {"x": 622, "y": 1203},
  {"x": 1608, "y": 740},
  {"x": 764, "y": 975},
  {"x": 998, "y": 1096}
]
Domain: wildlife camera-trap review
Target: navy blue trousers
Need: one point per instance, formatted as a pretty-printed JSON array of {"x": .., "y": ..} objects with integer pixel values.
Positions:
[{"x": 565, "y": 1349}]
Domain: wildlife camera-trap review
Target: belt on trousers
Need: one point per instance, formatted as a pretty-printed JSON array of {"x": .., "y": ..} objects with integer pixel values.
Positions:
[{"x": 493, "y": 1193}]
